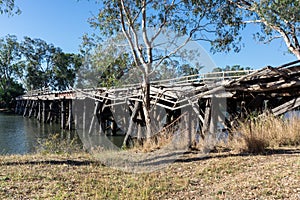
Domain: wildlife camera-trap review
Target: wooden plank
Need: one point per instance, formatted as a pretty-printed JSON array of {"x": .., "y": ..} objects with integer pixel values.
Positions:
[{"x": 288, "y": 106}]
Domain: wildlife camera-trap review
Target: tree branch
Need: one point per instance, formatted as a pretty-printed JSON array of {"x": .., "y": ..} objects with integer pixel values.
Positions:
[
  {"x": 175, "y": 50},
  {"x": 128, "y": 37},
  {"x": 145, "y": 37},
  {"x": 273, "y": 38},
  {"x": 133, "y": 42},
  {"x": 282, "y": 32}
]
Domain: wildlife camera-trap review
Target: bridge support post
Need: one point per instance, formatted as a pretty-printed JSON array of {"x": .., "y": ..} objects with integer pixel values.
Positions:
[
  {"x": 70, "y": 118},
  {"x": 84, "y": 117},
  {"x": 94, "y": 117},
  {"x": 32, "y": 108},
  {"x": 18, "y": 107},
  {"x": 44, "y": 111},
  {"x": 207, "y": 115},
  {"x": 50, "y": 113},
  {"x": 26, "y": 107},
  {"x": 39, "y": 110},
  {"x": 62, "y": 114},
  {"x": 188, "y": 129}
]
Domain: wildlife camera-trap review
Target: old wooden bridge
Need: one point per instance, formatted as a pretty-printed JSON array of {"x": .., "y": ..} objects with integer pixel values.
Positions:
[{"x": 213, "y": 101}]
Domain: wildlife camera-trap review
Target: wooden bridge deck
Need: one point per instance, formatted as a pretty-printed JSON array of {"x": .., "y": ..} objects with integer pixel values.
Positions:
[{"x": 275, "y": 89}]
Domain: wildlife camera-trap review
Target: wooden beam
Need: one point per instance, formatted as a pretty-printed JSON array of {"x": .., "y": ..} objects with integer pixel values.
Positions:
[
  {"x": 96, "y": 108},
  {"x": 131, "y": 123},
  {"x": 207, "y": 116},
  {"x": 62, "y": 114},
  {"x": 288, "y": 106}
]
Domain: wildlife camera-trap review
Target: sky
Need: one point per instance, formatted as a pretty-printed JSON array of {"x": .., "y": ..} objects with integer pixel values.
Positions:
[{"x": 63, "y": 23}]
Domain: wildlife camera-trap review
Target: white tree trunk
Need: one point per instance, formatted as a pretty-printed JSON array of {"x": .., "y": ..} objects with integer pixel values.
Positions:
[{"x": 146, "y": 107}]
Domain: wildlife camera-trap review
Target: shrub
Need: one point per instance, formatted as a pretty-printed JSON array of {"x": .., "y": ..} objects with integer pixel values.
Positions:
[{"x": 54, "y": 144}]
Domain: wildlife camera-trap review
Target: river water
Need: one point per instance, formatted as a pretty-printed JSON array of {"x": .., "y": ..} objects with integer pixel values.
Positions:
[{"x": 19, "y": 135}]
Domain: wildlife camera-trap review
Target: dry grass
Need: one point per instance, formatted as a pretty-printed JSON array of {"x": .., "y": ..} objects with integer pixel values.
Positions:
[
  {"x": 256, "y": 135},
  {"x": 191, "y": 175},
  {"x": 216, "y": 176},
  {"x": 174, "y": 136}
]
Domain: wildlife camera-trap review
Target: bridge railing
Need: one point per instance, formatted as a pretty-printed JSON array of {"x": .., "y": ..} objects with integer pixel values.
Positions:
[
  {"x": 196, "y": 78},
  {"x": 211, "y": 76},
  {"x": 37, "y": 92}
]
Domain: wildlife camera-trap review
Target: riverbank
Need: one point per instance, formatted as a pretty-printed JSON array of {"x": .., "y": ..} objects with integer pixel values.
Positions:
[{"x": 216, "y": 176}]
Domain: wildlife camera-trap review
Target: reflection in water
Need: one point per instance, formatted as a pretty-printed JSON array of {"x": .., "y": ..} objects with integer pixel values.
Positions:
[{"x": 20, "y": 135}]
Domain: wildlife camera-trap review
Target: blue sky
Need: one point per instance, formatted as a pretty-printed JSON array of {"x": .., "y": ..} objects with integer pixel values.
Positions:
[{"x": 63, "y": 22}]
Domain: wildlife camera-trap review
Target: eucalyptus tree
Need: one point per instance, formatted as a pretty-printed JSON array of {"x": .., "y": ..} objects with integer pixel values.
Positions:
[
  {"x": 278, "y": 19},
  {"x": 9, "y": 7},
  {"x": 48, "y": 66},
  {"x": 11, "y": 65},
  {"x": 105, "y": 60},
  {"x": 11, "y": 68},
  {"x": 37, "y": 54},
  {"x": 64, "y": 69},
  {"x": 143, "y": 23}
]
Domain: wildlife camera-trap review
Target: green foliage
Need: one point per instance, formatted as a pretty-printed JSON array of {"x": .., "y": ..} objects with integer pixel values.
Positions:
[
  {"x": 11, "y": 68},
  {"x": 7, "y": 95},
  {"x": 54, "y": 144},
  {"x": 65, "y": 66},
  {"x": 10, "y": 58},
  {"x": 9, "y": 7},
  {"x": 105, "y": 63},
  {"x": 35, "y": 64},
  {"x": 141, "y": 25},
  {"x": 230, "y": 71},
  {"x": 203, "y": 20},
  {"x": 47, "y": 66},
  {"x": 231, "y": 68},
  {"x": 278, "y": 19}
]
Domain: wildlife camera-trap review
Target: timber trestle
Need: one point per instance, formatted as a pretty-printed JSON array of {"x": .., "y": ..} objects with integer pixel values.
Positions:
[{"x": 236, "y": 94}]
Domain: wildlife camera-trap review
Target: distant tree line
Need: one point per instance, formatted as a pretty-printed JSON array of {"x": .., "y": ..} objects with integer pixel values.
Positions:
[
  {"x": 37, "y": 64},
  {"x": 34, "y": 64},
  {"x": 234, "y": 68}
]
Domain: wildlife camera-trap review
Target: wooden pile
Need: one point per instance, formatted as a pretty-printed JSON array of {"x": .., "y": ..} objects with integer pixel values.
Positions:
[{"x": 213, "y": 100}]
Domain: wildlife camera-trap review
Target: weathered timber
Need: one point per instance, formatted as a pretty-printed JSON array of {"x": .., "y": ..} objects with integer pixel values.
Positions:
[
  {"x": 131, "y": 123},
  {"x": 288, "y": 106},
  {"x": 96, "y": 109},
  {"x": 275, "y": 89}
]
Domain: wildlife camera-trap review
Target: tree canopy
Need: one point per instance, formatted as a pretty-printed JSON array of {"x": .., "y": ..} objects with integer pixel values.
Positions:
[
  {"x": 156, "y": 33},
  {"x": 47, "y": 66},
  {"x": 10, "y": 70},
  {"x": 9, "y": 7},
  {"x": 34, "y": 64},
  {"x": 278, "y": 19}
]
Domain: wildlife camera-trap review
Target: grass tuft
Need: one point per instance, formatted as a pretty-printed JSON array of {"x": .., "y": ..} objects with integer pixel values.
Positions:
[{"x": 258, "y": 134}]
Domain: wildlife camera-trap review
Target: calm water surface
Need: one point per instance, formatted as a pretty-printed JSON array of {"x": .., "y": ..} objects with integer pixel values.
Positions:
[{"x": 19, "y": 135}]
